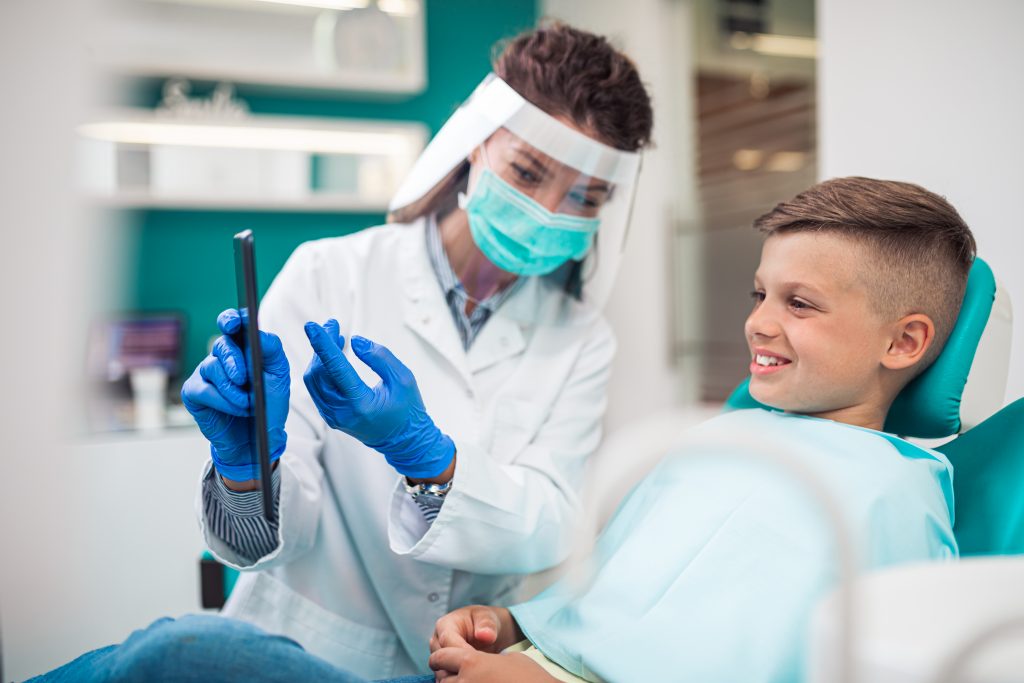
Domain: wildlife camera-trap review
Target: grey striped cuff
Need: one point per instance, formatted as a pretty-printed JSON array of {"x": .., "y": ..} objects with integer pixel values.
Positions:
[
  {"x": 244, "y": 503},
  {"x": 236, "y": 517}
]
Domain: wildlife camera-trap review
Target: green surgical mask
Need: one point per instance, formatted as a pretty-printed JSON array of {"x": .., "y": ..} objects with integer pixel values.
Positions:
[{"x": 519, "y": 235}]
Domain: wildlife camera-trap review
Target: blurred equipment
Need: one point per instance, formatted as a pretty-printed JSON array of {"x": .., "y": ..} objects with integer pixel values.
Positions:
[
  {"x": 959, "y": 622},
  {"x": 149, "y": 394},
  {"x": 129, "y": 353}
]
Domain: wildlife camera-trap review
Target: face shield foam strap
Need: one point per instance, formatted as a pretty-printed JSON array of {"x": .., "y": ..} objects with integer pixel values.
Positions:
[{"x": 559, "y": 141}]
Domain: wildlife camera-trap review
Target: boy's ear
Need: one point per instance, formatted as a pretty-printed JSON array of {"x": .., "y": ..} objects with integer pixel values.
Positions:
[{"x": 912, "y": 336}]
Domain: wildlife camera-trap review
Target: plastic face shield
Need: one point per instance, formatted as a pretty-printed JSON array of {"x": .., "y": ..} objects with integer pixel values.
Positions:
[{"x": 556, "y": 165}]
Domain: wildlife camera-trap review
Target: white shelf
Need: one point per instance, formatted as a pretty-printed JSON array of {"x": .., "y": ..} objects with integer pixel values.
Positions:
[
  {"x": 237, "y": 161},
  {"x": 145, "y": 200},
  {"x": 379, "y": 47}
]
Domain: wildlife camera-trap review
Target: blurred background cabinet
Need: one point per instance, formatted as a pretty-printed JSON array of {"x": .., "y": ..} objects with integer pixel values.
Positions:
[{"x": 343, "y": 45}]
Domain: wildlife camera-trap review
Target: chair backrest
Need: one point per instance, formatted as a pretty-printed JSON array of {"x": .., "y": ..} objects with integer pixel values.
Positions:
[{"x": 958, "y": 395}]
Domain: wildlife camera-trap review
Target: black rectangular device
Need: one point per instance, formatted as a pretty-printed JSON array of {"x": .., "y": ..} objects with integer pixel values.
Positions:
[{"x": 248, "y": 340}]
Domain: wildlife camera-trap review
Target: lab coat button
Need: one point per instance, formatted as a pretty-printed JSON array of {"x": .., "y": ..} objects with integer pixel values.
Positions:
[
  {"x": 426, "y": 320},
  {"x": 469, "y": 392},
  {"x": 504, "y": 341},
  {"x": 433, "y": 597}
]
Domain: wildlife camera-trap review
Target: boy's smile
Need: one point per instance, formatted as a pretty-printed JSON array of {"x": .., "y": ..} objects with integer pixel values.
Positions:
[{"x": 815, "y": 339}]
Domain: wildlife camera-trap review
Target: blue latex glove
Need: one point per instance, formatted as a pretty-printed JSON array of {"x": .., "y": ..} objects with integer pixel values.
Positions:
[
  {"x": 390, "y": 417},
  {"x": 215, "y": 398}
]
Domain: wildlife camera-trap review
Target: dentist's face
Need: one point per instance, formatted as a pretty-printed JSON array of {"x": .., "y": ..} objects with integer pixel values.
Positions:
[
  {"x": 555, "y": 186},
  {"x": 815, "y": 340}
]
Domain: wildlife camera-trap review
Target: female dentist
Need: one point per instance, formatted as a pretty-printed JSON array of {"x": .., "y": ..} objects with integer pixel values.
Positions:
[{"x": 488, "y": 285}]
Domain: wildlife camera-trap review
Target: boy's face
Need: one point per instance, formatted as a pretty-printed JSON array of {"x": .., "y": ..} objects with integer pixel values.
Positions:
[{"x": 816, "y": 342}]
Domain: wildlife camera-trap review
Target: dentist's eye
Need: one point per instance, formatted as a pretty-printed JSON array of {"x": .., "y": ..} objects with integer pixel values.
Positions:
[
  {"x": 583, "y": 201},
  {"x": 525, "y": 175}
]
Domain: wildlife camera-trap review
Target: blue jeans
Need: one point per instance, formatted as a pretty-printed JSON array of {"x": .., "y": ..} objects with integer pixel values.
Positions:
[{"x": 203, "y": 648}]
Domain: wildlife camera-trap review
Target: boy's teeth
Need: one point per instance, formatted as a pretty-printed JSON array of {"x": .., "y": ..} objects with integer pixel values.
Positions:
[{"x": 766, "y": 360}]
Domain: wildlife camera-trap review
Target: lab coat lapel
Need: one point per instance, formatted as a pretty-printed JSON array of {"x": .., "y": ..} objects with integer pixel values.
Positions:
[
  {"x": 425, "y": 310},
  {"x": 504, "y": 334}
]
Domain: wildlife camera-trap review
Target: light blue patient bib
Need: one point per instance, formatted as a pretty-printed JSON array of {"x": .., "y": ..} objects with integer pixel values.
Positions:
[{"x": 710, "y": 568}]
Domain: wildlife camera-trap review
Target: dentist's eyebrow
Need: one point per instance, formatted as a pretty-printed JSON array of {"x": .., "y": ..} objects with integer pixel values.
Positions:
[
  {"x": 532, "y": 160},
  {"x": 594, "y": 186},
  {"x": 597, "y": 186}
]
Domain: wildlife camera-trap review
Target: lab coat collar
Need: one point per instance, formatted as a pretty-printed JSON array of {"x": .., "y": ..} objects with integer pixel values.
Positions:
[{"x": 426, "y": 312}]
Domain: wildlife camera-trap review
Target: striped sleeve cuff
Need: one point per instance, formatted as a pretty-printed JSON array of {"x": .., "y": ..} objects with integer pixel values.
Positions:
[
  {"x": 430, "y": 506},
  {"x": 244, "y": 503},
  {"x": 236, "y": 517}
]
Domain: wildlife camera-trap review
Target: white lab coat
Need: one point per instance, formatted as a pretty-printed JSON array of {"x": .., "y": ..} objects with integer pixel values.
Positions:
[{"x": 358, "y": 578}]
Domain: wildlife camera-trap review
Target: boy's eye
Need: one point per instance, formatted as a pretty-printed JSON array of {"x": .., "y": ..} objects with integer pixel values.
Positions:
[
  {"x": 799, "y": 305},
  {"x": 757, "y": 296}
]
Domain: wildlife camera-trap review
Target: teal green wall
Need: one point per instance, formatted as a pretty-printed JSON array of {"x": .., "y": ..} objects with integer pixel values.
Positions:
[{"x": 182, "y": 260}]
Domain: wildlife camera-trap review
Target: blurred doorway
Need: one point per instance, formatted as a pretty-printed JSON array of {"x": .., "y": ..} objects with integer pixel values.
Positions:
[{"x": 756, "y": 146}]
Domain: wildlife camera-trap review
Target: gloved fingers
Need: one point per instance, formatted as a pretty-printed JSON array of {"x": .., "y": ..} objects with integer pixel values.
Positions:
[
  {"x": 313, "y": 379},
  {"x": 382, "y": 361},
  {"x": 328, "y": 353},
  {"x": 205, "y": 403},
  {"x": 275, "y": 362},
  {"x": 225, "y": 349},
  {"x": 229, "y": 321},
  {"x": 219, "y": 392}
]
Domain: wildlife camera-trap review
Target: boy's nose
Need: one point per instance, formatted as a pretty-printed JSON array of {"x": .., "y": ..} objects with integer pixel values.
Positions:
[{"x": 761, "y": 323}]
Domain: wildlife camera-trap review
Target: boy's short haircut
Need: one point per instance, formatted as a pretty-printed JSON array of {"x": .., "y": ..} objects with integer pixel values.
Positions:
[{"x": 922, "y": 248}]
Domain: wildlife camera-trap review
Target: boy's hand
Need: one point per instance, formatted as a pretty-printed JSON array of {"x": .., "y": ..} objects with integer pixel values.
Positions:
[
  {"x": 477, "y": 627},
  {"x": 462, "y": 665}
]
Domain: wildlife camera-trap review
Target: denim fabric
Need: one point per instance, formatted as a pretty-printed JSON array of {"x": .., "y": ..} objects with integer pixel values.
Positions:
[{"x": 203, "y": 648}]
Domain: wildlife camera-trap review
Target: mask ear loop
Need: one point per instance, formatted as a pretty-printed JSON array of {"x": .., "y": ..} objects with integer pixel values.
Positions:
[
  {"x": 483, "y": 153},
  {"x": 463, "y": 197}
]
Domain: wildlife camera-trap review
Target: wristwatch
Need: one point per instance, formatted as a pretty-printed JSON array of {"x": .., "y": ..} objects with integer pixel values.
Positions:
[{"x": 431, "y": 495}]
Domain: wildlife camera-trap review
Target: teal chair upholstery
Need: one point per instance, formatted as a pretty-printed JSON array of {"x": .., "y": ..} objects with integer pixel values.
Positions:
[
  {"x": 988, "y": 483},
  {"x": 987, "y": 452}
]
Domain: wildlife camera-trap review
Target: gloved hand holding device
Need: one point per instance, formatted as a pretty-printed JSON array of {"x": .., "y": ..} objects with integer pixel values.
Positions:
[
  {"x": 217, "y": 398},
  {"x": 390, "y": 417}
]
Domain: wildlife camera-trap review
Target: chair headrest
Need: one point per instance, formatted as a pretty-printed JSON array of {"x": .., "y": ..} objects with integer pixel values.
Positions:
[{"x": 966, "y": 383}]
